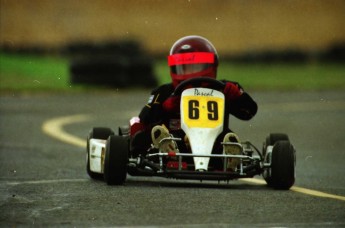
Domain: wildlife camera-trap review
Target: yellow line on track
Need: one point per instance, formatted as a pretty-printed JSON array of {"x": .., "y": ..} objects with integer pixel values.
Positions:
[
  {"x": 54, "y": 128},
  {"x": 298, "y": 189},
  {"x": 316, "y": 193}
]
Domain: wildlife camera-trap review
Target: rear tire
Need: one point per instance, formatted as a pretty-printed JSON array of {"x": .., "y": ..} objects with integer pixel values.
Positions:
[
  {"x": 116, "y": 160},
  {"x": 282, "y": 170},
  {"x": 95, "y": 133},
  {"x": 272, "y": 138}
]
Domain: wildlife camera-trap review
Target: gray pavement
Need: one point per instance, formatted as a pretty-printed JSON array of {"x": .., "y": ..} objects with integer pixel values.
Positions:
[{"x": 43, "y": 181}]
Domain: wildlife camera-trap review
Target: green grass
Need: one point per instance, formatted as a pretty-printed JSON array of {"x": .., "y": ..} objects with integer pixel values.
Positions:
[
  {"x": 287, "y": 77},
  {"x": 34, "y": 73},
  {"x": 278, "y": 76},
  {"x": 45, "y": 74}
]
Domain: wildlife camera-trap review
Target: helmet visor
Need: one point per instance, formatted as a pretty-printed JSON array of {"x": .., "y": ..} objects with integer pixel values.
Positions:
[
  {"x": 186, "y": 69},
  {"x": 191, "y": 58},
  {"x": 190, "y": 63}
]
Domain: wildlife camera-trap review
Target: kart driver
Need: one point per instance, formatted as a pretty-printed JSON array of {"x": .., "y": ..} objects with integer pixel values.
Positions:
[{"x": 190, "y": 57}]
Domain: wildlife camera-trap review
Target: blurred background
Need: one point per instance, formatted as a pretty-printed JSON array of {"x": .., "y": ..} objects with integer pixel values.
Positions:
[{"x": 132, "y": 34}]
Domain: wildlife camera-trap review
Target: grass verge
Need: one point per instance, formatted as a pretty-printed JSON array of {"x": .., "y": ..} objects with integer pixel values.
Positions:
[
  {"x": 45, "y": 74},
  {"x": 277, "y": 76}
]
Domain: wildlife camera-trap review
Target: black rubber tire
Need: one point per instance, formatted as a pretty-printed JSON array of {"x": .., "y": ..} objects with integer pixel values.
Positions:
[
  {"x": 124, "y": 131},
  {"x": 271, "y": 139},
  {"x": 282, "y": 166},
  {"x": 95, "y": 133},
  {"x": 275, "y": 137},
  {"x": 116, "y": 160}
]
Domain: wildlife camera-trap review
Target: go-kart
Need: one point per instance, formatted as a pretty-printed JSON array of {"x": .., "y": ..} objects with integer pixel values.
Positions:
[{"x": 202, "y": 116}]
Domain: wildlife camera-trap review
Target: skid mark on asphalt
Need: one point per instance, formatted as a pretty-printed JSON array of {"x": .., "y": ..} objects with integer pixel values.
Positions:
[{"x": 54, "y": 128}]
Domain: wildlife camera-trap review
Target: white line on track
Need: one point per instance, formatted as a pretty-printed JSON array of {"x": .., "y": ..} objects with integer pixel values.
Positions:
[
  {"x": 54, "y": 128},
  {"x": 44, "y": 181}
]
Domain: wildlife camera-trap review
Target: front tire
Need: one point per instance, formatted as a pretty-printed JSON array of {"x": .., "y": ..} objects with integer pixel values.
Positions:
[
  {"x": 282, "y": 170},
  {"x": 95, "y": 133},
  {"x": 116, "y": 160}
]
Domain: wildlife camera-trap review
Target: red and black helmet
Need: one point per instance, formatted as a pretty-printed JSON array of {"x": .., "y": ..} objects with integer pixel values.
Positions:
[{"x": 190, "y": 57}]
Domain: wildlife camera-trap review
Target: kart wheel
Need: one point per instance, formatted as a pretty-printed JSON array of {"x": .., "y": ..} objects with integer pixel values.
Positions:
[
  {"x": 275, "y": 137},
  {"x": 282, "y": 170},
  {"x": 116, "y": 160},
  {"x": 124, "y": 131},
  {"x": 95, "y": 133},
  {"x": 272, "y": 138}
]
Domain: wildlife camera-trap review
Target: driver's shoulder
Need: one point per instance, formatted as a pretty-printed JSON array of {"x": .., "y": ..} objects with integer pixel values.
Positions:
[
  {"x": 234, "y": 82},
  {"x": 225, "y": 81},
  {"x": 164, "y": 88}
]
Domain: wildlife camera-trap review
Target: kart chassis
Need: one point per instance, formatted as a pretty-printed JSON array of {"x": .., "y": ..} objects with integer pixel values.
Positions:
[
  {"x": 249, "y": 165},
  {"x": 109, "y": 155}
]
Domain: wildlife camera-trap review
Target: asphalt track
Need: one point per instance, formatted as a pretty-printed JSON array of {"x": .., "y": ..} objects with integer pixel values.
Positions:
[{"x": 43, "y": 180}]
